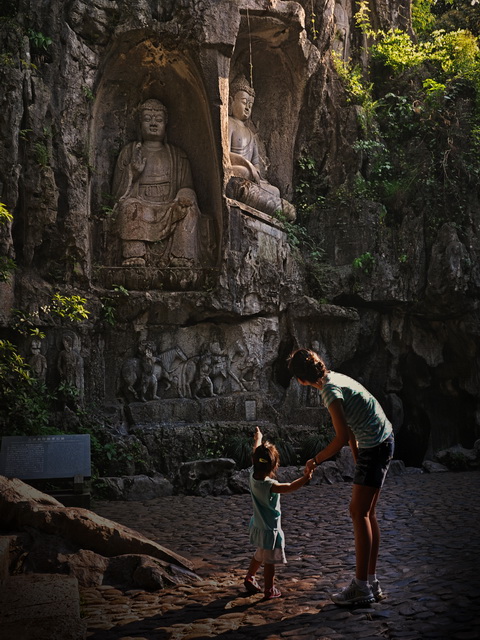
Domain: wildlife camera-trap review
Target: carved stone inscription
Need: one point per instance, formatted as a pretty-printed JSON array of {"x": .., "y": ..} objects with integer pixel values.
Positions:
[{"x": 42, "y": 457}]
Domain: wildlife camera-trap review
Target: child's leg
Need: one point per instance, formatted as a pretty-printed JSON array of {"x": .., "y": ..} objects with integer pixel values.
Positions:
[
  {"x": 269, "y": 575},
  {"x": 250, "y": 583},
  {"x": 253, "y": 567}
]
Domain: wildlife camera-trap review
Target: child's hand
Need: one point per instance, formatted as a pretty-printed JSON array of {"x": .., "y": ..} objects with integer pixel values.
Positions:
[
  {"x": 308, "y": 472},
  {"x": 257, "y": 438}
]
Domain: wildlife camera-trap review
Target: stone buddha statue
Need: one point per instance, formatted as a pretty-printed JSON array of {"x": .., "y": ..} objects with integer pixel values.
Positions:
[
  {"x": 245, "y": 159},
  {"x": 157, "y": 214}
]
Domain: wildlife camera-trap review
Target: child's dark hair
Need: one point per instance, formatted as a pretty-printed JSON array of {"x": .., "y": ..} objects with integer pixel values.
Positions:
[
  {"x": 266, "y": 459},
  {"x": 306, "y": 365}
]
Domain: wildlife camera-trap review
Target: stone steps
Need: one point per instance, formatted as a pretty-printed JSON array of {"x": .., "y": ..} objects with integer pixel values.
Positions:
[
  {"x": 5, "y": 542},
  {"x": 38, "y": 606}
]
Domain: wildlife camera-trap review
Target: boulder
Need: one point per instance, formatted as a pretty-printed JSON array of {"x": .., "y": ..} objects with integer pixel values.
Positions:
[
  {"x": 238, "y": 481},
  {"x": 79, "y": 542},
  {"x": 397, "y": 468},
  {"x": 205, "y": 477},
  {"x": 433, "y": 467},
  {"x": 458, "y": 458},
  {"x": 345, "y": 463},
  {"x": 139, "y": 487},
  {"x": 331, "y": 473}
]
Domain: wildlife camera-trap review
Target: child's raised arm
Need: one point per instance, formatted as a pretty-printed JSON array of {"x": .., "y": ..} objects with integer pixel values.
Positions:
[{"x": 257, "y": 438}]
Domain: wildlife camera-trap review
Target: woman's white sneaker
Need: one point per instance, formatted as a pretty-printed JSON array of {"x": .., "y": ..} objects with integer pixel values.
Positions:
[
  {"x": 377, "y": 590},
  {"x": 353, "y": 594}
]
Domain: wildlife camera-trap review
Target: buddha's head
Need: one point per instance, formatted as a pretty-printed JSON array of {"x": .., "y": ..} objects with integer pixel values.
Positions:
[
  {"x": 242, "y": 97},
  {"x": 153, "y": 118}
]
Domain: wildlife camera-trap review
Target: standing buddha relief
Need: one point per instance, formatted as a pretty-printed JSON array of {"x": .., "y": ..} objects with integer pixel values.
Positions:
[
  {"x": 247, "y": 184},
  {"x": 157, "y": 214}
]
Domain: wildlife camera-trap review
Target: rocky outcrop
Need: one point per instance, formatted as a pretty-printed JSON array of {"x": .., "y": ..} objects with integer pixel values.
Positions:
[
  {"x": 137, "y": 487},
  {"x": 205, "y": 477},
  {"x": 78, "y": 542},
  {"x": 389, "y": 297}
]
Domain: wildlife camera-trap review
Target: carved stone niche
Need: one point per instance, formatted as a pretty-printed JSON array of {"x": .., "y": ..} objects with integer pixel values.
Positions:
[
  {"x": 155, "y": 201},
  {"x": 271, "y": 64}
]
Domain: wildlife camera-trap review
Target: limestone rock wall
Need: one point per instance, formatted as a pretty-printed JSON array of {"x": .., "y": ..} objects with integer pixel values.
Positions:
[{"x": 185, "y": 345}]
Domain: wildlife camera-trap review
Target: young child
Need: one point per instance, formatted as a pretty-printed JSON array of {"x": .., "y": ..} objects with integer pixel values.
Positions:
[{"x": 265, "y": 526}]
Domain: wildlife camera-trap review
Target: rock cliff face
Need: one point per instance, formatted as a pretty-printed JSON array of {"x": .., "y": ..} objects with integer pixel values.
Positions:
[{"x": 176, "y": 341}]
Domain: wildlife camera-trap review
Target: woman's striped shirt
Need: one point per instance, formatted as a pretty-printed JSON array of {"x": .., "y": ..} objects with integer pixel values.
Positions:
[{"x": 363, "y": 412}]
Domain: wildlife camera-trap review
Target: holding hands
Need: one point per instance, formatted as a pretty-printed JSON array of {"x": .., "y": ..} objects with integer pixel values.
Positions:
[
  {"x": 308, "y": 473},
  {"x": 310, "y": 465}
]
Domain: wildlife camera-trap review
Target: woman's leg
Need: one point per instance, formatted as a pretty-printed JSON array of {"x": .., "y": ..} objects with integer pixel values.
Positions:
[
  {"x": 365, "y": 528},
  {"x": 372, "y": 562}
]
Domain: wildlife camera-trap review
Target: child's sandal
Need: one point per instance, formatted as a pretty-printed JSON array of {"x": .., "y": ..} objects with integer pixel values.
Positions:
[
  {"x": 251, "y": 585},
  {"x": 272, "y": 593}
]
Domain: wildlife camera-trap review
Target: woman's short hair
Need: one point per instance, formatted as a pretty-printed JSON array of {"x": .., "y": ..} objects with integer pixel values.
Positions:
[{"x": 306, "y": 365}]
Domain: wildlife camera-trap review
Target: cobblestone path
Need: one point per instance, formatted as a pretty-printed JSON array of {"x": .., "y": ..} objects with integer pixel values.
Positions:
[{"x": 429, "y": 567}]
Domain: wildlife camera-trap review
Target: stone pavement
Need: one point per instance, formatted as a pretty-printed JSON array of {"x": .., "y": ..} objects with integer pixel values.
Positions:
[{"x": 429, "y": 567}]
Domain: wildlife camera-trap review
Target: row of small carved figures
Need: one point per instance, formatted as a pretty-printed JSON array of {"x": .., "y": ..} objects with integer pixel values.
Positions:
[{"x": 194, "y": 377}]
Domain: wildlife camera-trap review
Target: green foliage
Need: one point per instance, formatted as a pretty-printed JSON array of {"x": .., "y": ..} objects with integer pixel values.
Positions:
[
  {"x": 421, "y": 150},
  {"x": 6, "y": 60},
  {"x": 287, "y": 453},
  {"x": 357, "y": 90},
  {"x": 27, "y": 408},
  {"x": 109, "y": 304},
  {"x": 315, "y": 443},
  {"x": 69, "y": 307},
  {"x": 23, "y": 134},
  {"x": 308, "y": 192},
  {"x": 454, "y": 53},
  {"x": 88, "y": 93},
  {"x": 377, "y": 153},
  {"x": 423, "y": 19},
  {"x": 5, "y": 215},
  {"x": 25, "y": 404},
  {"x": 109, "y": 454},
  {"x": 362, "y": 19},
  {"x": 396, "y": 49},
  {"x": 40, "y": 154},
  {"x": 239, "y": 448},
  {"x": 313, "y": 21},
  {"x": 7, "y": 265},
  {"x": 39, "y": 41},
  {"x": 364, "y": 263},
  {"x": 308, "y": 252},
  {"x": 457, "y": 54}
]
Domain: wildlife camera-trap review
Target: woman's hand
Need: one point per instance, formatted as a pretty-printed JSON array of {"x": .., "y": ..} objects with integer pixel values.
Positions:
[{"x": 310, "y": 465}]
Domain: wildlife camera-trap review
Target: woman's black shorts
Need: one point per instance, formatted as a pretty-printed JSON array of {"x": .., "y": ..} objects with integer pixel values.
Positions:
[{"x": 372, "y": 464}]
